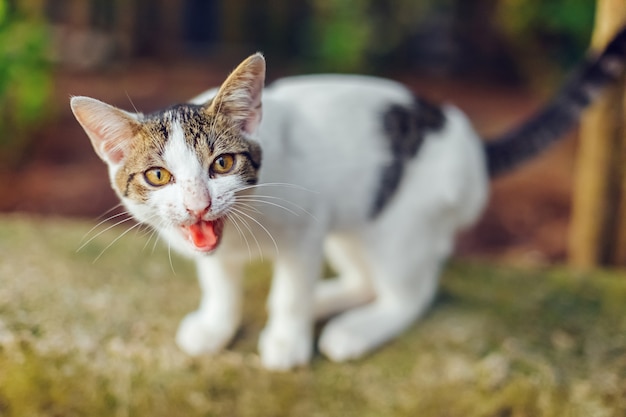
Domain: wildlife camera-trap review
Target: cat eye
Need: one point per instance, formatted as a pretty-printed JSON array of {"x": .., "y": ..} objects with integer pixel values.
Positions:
[
  {"x": 223, "y": 164},
  {"x": 158, "y": 177}
]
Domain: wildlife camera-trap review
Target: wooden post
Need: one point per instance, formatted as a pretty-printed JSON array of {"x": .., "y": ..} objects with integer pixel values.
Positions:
[
  {"x": 598, "y": 190},
  {"x": 618, "y": 252}
]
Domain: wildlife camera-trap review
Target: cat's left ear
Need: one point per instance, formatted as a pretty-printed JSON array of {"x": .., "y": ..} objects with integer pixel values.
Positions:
[
  {"x": 239, "y": 97},
  {"x": 110, "y": 129}
]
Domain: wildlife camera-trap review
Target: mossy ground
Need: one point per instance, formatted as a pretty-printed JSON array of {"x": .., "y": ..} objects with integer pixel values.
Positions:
[{"x": 79, "y": 338}]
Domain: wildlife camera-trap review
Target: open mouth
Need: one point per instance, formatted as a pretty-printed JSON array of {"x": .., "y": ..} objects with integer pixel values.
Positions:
[{"x": 204, "y": 235}]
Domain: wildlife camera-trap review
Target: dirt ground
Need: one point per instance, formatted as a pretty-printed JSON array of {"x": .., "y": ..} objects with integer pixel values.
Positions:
[{"x": 526, "y": 221}]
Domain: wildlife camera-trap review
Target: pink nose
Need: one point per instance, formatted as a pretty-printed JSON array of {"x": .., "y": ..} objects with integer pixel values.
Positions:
[{"x": 199, "y": 213}]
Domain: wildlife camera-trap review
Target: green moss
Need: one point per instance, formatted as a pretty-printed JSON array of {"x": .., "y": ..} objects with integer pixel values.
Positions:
[{"x": 78, "y": 338}]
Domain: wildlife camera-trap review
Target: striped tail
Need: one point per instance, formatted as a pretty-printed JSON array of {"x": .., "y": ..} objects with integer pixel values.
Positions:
[{"x": 561, "y": 113}]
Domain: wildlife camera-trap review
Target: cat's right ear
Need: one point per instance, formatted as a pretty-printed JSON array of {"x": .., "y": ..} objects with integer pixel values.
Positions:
[
  {"x": 239, "y": 97},
  {"x": 109, "y": 128}
]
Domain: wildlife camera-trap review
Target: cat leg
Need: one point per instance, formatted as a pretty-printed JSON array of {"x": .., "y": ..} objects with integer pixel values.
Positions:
[
  {"x": 212, "y": 326},
  {"x": 397, "y": 305},
  {"x": 287, "y": 340},
  {"x": 352, "y": 287}
]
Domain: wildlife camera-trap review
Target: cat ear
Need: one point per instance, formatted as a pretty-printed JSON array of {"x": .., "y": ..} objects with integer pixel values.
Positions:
[
  {"x": 109, "y": 128},
  {"x": 239, "y": 97}
]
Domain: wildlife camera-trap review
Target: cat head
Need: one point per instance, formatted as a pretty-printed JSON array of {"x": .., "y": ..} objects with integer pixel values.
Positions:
[{"x": 180, "y": 169}]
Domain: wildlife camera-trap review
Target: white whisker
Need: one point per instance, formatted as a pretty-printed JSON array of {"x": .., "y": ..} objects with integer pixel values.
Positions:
[
  {"x": 158, "y": 235},
  {"x": 161, "y": 225},
  {"x": 131, "y": 101},
  {"x": 148, "y": 230},
  {"x": 156, "y": 241},
  {"x": 268, "y": 203},
  {"x": 277, "y": 184},
  {"x": 259, "y": 224},
  {"x": 169, "y": 255},
  {"x": 257, "y": 198},
  {"x": 103, "y": 231},
  {"x": 115, "y": 240},
  {"x": 99, "y": 224},
  {"x": 248, "y": 206},
  {"x": 153, "y": 232},
  {"x": 247, "y": 226},
  {"x": 143, "y": 230},
  {"x": 109, "y": 210},
  {"x": 231, "y": 218}
]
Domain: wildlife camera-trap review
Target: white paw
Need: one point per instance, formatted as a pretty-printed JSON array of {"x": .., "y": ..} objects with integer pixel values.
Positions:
[
  {"x": 340, "y": 343},
  {"x": 197, "y": 335},
  {"x": 285, "y": 349}
]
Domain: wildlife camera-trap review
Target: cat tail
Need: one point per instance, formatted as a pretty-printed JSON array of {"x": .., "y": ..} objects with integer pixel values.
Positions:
[{"x": 559, "y": 115}]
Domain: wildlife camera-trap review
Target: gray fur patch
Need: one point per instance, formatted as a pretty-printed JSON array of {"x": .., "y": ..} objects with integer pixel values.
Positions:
[{"x": 405, "y": 128}]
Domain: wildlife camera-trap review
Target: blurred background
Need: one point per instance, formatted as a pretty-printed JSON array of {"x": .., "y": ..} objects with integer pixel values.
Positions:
[{"x": 496, "y": 59}]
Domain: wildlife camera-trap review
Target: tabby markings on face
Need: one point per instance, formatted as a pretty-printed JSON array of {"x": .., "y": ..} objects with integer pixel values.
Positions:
[{"x": 202, "y": 154}]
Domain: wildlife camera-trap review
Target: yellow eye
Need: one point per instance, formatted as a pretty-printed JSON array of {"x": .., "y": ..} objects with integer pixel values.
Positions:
[
  {"x": 223, "y": 164},
  {"x": 158, "y": 177}
]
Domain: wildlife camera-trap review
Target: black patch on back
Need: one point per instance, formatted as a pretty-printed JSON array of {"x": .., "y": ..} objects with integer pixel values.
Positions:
[{"x": 405, "y": 127}]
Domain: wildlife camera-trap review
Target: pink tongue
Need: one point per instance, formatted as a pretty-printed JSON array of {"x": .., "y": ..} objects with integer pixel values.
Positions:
[{"x": 203, "y": 235}]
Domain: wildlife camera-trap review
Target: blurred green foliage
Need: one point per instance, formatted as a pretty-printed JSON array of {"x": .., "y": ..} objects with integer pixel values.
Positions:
[
  {"x": 25, "y": 76},
  {"x": 347, "y": 34},
  {"x": 527, "y": 19},
  {"x": 546, "y": 36},
  {"x": 543, "y": 36},
  {"x": 342, "y": 30}
]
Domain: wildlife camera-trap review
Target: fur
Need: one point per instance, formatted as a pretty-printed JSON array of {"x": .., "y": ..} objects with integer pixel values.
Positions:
[{"x": 352, "y": 169}]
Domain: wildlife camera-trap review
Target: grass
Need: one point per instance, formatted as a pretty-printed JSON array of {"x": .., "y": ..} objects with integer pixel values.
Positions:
[{"x": 85, "y": 339}]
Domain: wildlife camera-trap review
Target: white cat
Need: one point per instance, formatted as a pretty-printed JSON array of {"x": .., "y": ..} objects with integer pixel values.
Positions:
[{"x": 354, "y": 169}]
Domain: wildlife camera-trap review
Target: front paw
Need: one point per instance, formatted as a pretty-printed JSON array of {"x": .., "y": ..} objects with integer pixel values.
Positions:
[
  {"x": 199, "y": 335},
  {"x": 286, "y": 347}
]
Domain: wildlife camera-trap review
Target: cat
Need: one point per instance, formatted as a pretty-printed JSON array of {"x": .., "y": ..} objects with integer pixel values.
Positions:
[{"x": 352, "y": 168}]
